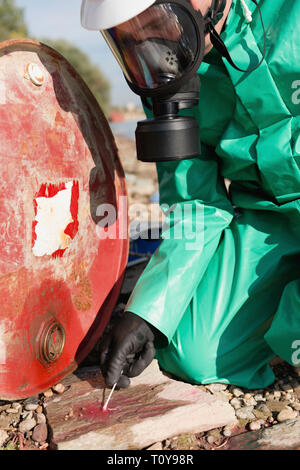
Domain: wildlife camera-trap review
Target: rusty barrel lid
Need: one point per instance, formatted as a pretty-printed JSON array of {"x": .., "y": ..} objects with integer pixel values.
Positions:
[{"x": 62, "y": 258}]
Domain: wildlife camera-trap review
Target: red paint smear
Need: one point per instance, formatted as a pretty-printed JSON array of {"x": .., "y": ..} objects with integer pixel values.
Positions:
[
  {"x": 58, "y": 253},
  {"x": 34, "y": 224},
  {"x": 72, "y": 228},
  {"x": 50, "y": 190},
  {"x": 93, "y": 410}
]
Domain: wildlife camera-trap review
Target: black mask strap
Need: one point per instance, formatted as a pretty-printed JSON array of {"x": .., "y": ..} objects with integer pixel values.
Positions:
[
  {"x": 215, "y": 13},
  {"x": 218, "y": 43}
]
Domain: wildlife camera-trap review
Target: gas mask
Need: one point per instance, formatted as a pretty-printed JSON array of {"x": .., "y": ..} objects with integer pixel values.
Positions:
[{"x": 160, "y": 51}]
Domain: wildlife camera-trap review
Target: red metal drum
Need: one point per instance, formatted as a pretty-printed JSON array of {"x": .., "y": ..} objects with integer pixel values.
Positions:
[{"x": 60, "y": 273}]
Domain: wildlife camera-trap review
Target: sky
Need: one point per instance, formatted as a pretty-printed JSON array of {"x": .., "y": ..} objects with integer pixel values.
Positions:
[{"x": 60, "y": 19}]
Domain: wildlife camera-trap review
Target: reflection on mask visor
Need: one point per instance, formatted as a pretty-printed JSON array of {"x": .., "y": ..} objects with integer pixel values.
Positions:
[{"x": 156, "y": 46}]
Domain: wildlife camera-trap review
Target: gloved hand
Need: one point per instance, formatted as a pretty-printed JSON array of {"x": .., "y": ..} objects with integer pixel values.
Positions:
[{"x": 129, "y": 348}]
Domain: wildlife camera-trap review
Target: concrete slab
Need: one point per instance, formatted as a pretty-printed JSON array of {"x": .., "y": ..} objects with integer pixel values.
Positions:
[{"x": 154, "y": 408}]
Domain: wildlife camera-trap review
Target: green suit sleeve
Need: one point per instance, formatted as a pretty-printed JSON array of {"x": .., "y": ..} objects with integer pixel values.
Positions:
[{"x": 201, "y": 211}]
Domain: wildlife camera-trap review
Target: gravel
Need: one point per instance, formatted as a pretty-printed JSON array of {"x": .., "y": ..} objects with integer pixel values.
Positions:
[
  {"x": 41, "y": 418},
  {"x": 287, "y": 414},
  {"x": 227, "y": 432},
  {"x": 59, "y": 388},
  {"x": 256, "y": 409},
  {"x": 31, "y": 407},
  {"x": 245, "y": 413},
  {"x": 236, "y": 403},
  {"x": 23, "y": 423},
  {"x": 255, "y": 425},
  {"x": 237, "y": 392},
  {"x": 40, "y": 433},
  {"x": 27, "y": 425},
  {"x": 4, "y": 436},
  {"x": 215, "y": 387}
]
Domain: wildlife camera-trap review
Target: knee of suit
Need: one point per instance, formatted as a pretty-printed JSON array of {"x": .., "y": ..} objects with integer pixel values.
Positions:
[{"x": 195, "y": 365}]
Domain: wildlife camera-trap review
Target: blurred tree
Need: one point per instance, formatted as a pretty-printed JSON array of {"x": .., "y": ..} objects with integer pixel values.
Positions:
[
  {"x": 91, "y": 74},
  {"x": 12, "y": 24}
]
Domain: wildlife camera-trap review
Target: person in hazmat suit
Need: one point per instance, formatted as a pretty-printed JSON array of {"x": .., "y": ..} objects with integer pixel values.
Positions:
[{"x": 220, "y": 308}]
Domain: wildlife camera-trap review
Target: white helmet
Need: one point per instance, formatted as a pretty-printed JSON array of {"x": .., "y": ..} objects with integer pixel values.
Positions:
[{"x": 104, "y": 14}]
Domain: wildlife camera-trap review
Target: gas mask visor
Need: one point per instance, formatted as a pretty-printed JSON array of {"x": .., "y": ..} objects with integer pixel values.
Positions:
[
  {"x": 160, "y": 48},
  {"x": 160, "y": 51}
]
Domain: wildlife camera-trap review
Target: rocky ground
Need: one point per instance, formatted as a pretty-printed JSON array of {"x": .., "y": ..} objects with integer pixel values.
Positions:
[
  {"x": 141, "y": 182},
  {"x": 254, "y": 409},
  {"x": 141, "y": 178},
  {"x": 23, "y": 423}
]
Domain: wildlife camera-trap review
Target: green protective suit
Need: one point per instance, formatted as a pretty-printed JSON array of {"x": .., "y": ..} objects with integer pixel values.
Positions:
[{"x": 232, "y": 302}]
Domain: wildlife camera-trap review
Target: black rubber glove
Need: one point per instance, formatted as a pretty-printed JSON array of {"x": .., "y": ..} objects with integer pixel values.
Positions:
[{"x": 128, "y": 347}]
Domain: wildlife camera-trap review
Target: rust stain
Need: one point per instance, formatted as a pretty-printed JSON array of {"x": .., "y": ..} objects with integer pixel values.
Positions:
[
  {"x": 82, "y": 299},
  {"x": 24, "y": 148},
  {"x": 65, "y": 240},
  {"x": 14, "y": 288},
  {"x": 23, "y": 386},
  {"x": 59, "y": 120}
]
